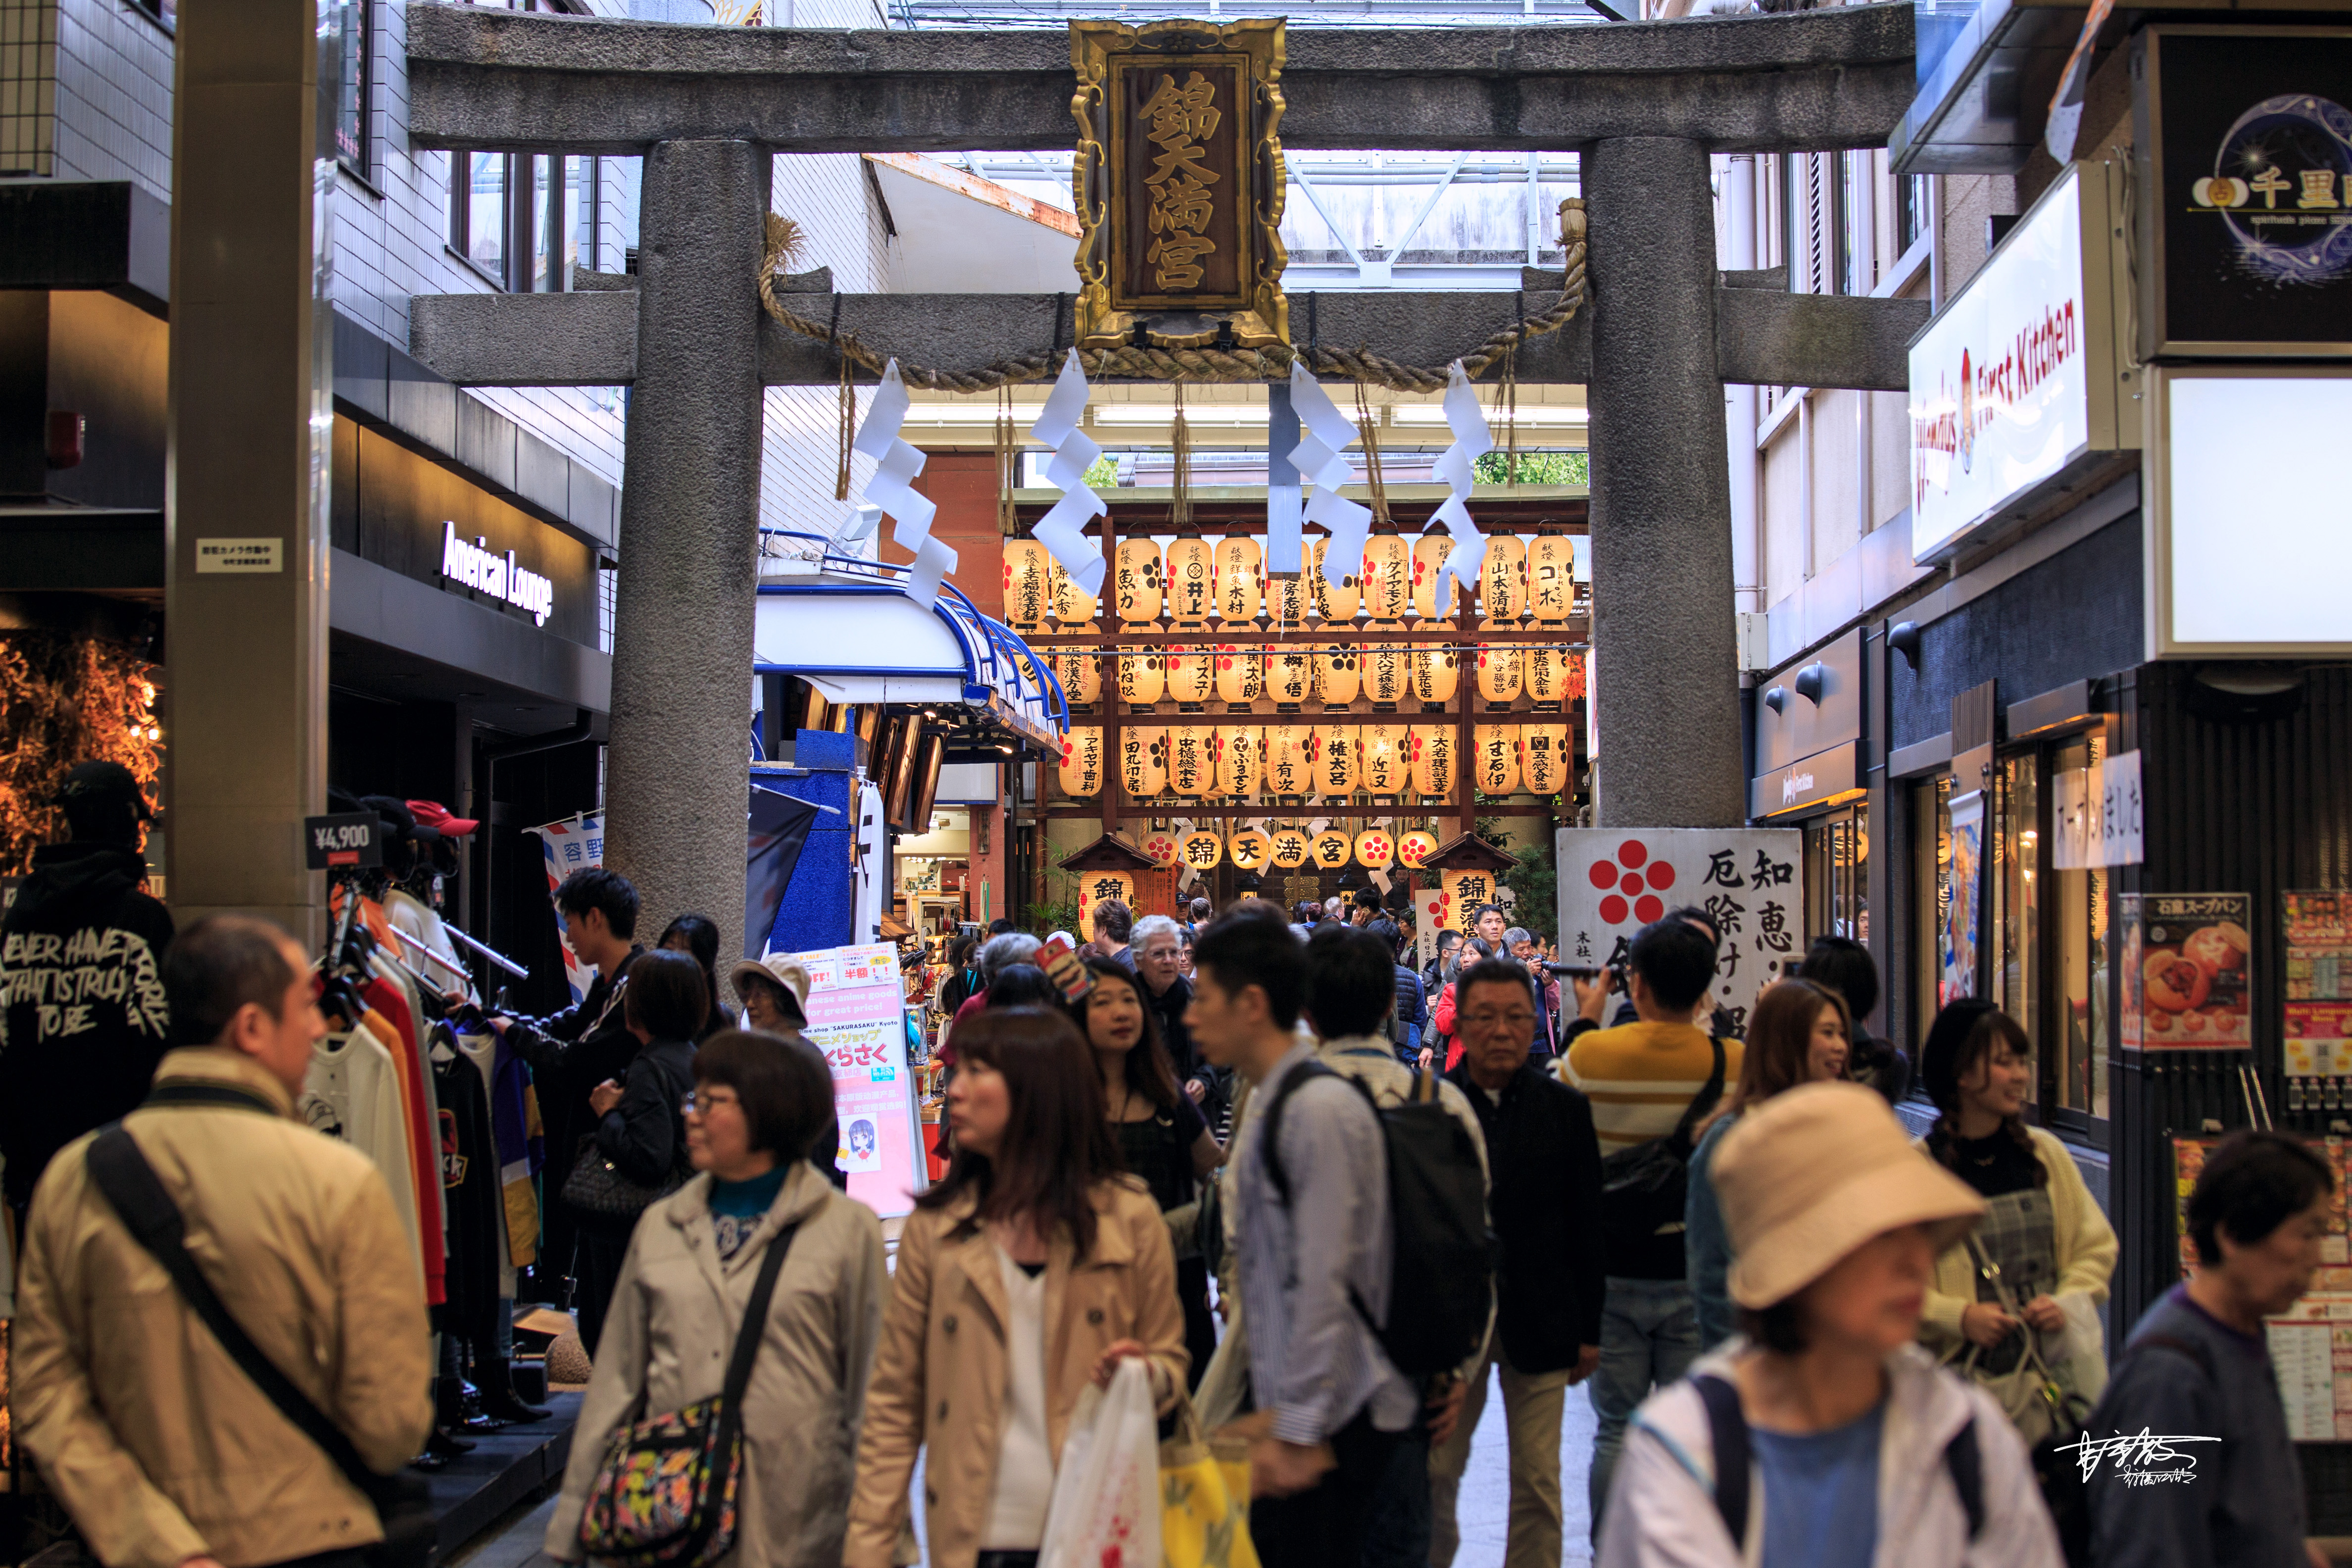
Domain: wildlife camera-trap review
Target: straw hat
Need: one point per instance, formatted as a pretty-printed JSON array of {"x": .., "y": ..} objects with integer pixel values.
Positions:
[
  {"x": 1810, "y": 1174},
  {"x": 778, "y": 970}
]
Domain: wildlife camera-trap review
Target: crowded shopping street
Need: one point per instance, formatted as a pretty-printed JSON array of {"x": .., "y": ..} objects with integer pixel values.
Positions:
[{"x": 1526, "y": 783}]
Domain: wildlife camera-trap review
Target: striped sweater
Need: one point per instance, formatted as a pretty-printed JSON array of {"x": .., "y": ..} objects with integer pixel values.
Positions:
[{"x": 1640, "y": 1077}]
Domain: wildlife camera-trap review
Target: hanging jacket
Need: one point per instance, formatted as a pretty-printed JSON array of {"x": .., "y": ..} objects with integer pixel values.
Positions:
[{"x": 83, "y": 1020}]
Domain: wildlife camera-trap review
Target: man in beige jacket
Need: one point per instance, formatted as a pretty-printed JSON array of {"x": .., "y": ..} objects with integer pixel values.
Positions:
[{"x": 165, "y": 1453}]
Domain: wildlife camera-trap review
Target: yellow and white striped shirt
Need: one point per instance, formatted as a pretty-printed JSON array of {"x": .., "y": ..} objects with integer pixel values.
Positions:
[{"x": 1641, "y": 1077}]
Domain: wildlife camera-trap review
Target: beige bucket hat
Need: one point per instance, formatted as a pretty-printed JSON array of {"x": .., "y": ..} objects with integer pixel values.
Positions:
[
  {"x": 1812, "y": 1174},
  {"x": 777, "y": 969}
]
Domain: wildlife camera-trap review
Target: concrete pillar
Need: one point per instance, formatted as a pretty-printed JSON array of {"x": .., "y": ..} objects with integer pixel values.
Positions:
[
  {"x": 1664, "y": 662},
  {"x": 675, "y": 781},
  {"x": 247, "y": 452}
]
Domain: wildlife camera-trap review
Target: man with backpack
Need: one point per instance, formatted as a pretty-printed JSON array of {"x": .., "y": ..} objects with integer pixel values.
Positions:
[
  {"x": 1649, "y": 1081},
  {"x": 1333, "y": 1348}
]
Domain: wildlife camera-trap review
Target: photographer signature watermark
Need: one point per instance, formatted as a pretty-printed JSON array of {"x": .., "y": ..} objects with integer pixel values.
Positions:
[{"x": 2143, "y": 1460}]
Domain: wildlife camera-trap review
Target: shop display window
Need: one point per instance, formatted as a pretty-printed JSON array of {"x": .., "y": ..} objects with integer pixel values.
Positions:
[
  {"x": 1837, "y": 896},
  {"x": 2052, "y": 931}
]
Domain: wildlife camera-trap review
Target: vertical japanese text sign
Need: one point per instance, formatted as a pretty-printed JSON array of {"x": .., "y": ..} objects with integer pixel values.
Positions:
[
  {"x": 855, "y": 1016},
  {"x": 1614, "y": 881}
]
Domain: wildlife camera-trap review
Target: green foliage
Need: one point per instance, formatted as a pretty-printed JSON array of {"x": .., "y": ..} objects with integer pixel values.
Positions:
[
  {"x": 1535, "y": 469},
  {"x": 1102, "y": 474},
  {"x": 1536, "y": 879},
  {"x": 1054, "y": 913}
]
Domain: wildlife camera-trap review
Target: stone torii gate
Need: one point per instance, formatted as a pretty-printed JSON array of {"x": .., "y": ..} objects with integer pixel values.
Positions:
[{"x": 1644, "y": 103}]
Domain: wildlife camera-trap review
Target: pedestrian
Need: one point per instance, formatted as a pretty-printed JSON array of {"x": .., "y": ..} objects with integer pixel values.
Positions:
[
  {"x": 1476, "y": 950},
  {"x": 1650, "y": 1081},
  {"x": 1197, "y": 915},
  {"x": 1521, "y": 943},
  {"x": 1306, "y": 915},
  {"x": 1001, "y": 926},
  {"x": 1373, "y": 917},
  {"x": 1112, "y": 922},
  {"x": 1020, "y": 985},
  {"x": 1410, "y": 1016},
  {"x": 1163, "y": 1137},
  {"x": 2045, "y": 1234},
  {"x": 963, "y": 974},
  {"x": 640, "y": 1128},
  {"x": 1313, "y": 1266},
  {"x": 1545, "y": 1199},
  {"x": 1348, "y": 1007},
  {"x": 1797, "y": 1034},
  {"x": 2196, "y": 1367},
  {"x": 998, "y": 953},
  {"x": 83, "y": 1019},
  {"x": 696, "y": 936},
  {"x": 1852, "y": 1448},
  {"x": 1184, "y": 958},
  {"x": 775, "y": 1002},
  {"x": 1846, "y": 966},
  {"x": 759, "y": 1103},
  {"x": 1034, "y": 1268},
  {"x": 1437, "y": 971},
  {"x": 162, "y": 1446},
  {"x": 1708, "y": 1014},
  {"x": 1159, "y": 950}
]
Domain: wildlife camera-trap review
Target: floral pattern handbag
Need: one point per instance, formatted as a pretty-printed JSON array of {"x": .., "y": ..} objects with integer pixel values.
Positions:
[{"x": 665, "y": 1496}]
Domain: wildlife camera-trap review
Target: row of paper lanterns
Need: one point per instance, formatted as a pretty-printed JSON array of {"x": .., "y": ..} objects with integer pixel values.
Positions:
[
  {"x": 1197, "y": 581},
  {"x": 1461, "y": 891},
  {"x": 1201, "y": 761},
  {"x": 1334, "y": 673},
  {"x": 1290, "y": 848}
]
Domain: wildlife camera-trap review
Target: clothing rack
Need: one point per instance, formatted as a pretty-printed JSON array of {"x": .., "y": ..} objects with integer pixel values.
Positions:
[
  {"x": 493, "y": 954},
  {"x": 427, "y": 952}
]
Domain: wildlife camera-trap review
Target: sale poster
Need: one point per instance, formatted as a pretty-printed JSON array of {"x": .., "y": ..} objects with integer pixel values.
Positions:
[
  {"x": 856, "y": 1017},
  {"x": 1615, "y": 880},
  {"x": 2187, "y": 971},
  {"x": 2317, "y": 928}
]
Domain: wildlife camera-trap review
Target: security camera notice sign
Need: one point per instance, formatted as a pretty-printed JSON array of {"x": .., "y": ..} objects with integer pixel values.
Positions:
[
  {"x": 240, "y": 556},
  {"x": 1750, "y": 880},
  {"x": 346, "y": 838}
]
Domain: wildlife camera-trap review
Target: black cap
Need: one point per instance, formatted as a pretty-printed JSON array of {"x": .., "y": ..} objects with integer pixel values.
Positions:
[{"x": 99, "y": 783}]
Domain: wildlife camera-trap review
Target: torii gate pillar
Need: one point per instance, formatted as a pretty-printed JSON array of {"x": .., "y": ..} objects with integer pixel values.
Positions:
[{"x": 1665, "y": 653}]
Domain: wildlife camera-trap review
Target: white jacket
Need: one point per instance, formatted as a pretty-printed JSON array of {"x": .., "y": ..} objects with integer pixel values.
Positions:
[{"x": 1661, "y": 1511}]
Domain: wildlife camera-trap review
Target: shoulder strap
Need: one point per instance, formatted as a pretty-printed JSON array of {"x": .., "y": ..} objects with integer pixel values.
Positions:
[
  {"x": 1965, "y": 1463},
  {"x": 1704, "y": 1100},
  {"x": 130, "y": 1184},
  {"x": 755, "y": 1317},
  {"x": 1727, "y": 1432},
  {"x": 1269, "y": 1131}
]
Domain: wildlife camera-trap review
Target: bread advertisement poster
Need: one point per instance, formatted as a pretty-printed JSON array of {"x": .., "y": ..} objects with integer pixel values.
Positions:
[{"x": 2188, "y": 968}]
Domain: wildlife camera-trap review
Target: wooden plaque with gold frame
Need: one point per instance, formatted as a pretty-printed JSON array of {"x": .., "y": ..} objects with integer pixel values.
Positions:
[{"x": 1178, "y": 184}]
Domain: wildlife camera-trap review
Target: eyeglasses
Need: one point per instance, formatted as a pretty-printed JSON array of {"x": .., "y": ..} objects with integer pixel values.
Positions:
[
  {"x": 1523, "y": 1019},
  {"x": 708, "y": 1100}
]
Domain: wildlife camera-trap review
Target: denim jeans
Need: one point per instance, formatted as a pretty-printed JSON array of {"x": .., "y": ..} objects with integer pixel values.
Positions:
[
  {"x": 1398, "y": 1535},
  {"x": 1649, "y": 1337}
]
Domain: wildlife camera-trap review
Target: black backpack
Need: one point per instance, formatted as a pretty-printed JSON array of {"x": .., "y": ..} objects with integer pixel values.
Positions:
[
  {"x": 1642, "y": 1188},
  {"x": 1442, "y": 1265}
]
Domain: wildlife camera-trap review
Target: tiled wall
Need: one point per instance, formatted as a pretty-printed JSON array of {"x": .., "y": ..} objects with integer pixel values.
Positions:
[{"x": 113, "y": 95}]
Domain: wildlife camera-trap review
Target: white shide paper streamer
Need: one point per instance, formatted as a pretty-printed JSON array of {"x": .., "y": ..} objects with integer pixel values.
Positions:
[
  {"x": 1472, "y": 440},
  {"x": 1321, "y": 464},
  {"x": 892, "y": 489},
  {"x": 1073, "y": 453}
]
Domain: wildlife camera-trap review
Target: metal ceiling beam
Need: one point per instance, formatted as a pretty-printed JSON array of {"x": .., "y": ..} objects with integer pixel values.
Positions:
[{"x": 533, "y": 82}]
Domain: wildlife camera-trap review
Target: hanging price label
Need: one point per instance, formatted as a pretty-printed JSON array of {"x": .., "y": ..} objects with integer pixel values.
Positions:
[{"x": 347, "y": 838}]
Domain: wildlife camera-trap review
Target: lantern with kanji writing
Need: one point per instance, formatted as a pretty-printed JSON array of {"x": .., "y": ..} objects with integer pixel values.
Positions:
[
  {"x": 1160, "y": 846},
  {"x": 1291, "y": 848},
  {"x": 1136, "y": 580},
  {"x": 1498, "y": 672},
  {"x": 1249, "y": 850},
  {"x": 1333, "y": 604},
  {"x": 1388, "y": 672},
  {"x": 1382, "y": 758},
  {"x": 1026, "y": 584},
  {"x": 1289, "y": 674},
  {"x": 1241, "y": 759},
  {"x": 1286, "y": 599},
  {"x": 1547, "y": 678},
  {"x": 1192, "y": 674},
  {"x": 1415, "y": 846},
  {"x": 1072, "y": 604},
  {"x": 1241, "y": 580},
  {"x": 1337, "y": 673},
  {"x": 1551, "y": 577},
  {"x": 1434, "y": 758},
  {"x": 1191, "y": 761},
  {"x": 1081, "y": 772},
  {"x": 1495, "y": 750},
  {"x": 1435, "y": 671},
  {"x": 1191, "y": 581},
  {"x": 1388, "y": 577},
  {"x": 1142, "y": 677},
  {"x": 1142, "y": 761},
  {"x": 1503, "y": 580},
  {"x": 1464, "y": 891},
  {"x": 1285, "y": 759},
  {"x": 1375, "y": 850},
  {"x": 1429, "y": 554},
  {"x": 1334, "y": 760},
  {"x": 1201, "y": 849},
  {"x": 1101, "y": 888},
  {"x": 1240, "y": 672},
  {"x": 1545, "y": 757},
  {"x": 1081, "y": 678},
  {"x": 1331, "y": 850},
  {"x": 1027, "y": 666}
]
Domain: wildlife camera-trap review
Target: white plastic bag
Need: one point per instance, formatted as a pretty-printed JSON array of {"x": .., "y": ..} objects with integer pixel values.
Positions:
[{"x": 1104, "y": 1512}]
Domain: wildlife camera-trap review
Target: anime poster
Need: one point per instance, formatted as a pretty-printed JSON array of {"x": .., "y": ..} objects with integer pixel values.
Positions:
[
  {"x": 856, "y": 1017},
  {"x": 1963, "y": 920}
]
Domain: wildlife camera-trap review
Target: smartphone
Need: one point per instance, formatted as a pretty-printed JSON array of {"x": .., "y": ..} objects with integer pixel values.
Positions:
[{"x": 1065, "y": 968}]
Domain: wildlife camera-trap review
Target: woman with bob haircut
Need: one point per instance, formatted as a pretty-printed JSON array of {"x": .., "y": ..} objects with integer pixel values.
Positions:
[
  {"x": 1859, "y": 1449},
  {"x": 757, "y": 1104},
  {"x": 1034, "y": 1267}
]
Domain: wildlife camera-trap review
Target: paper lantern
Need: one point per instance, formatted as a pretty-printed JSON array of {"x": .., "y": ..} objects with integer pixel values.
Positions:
[
  {"x": 1285, "y": 759},
  {"x": 1240, "y": 577},
  {"x": 1027, "y": 666},
  {"x": 1546, "y": 757},
  {"x": 1498, "y": 672},
  {"x": 1136, "y": 580},
  {"x": 1415, "y": 847},
  {"x": 1339, "y": 604},
  {"x": 1192, "y": 674},
  {"x": 1241, "y": 759},
  {"x": 1375, "y": 850},
  {"x": 1072, "y": 604},
  {"x": 1436, "y": 671},
  {"x": 1503, "y": 580},
  {"x": 1384, "y": 761},
  {"x": 1291, "y": 848},
  {"x": 1240, "y": 673},
  {"x": 1289, "y": 674},
  {"x": 1551, "y": 577},
  {"x": 1388, "y": 672},
  {"x": 1027, "y": 589},
  {"x": 1495, "y": 758},
  {"x": 1337, "y": 675},
  {"x": 1434, "y": 758},
  {"x": 1142, "y": 761},
  {"x": 1429, "y": 554},
  {"x": 1287, "y": 598},
  {"x": 1334, "y": 760},
  {"x": 1201, "y": 850},
  {"x": 1249, "y": 850},
  {"x": 1081, "y": 772},
  {"x": 1549, "y": 669},
  {"x": 1100, "y": 888},
  {"x": 1388, "y": 577},
  {"x": 1331, "y": 850},
  {"x": 1464, "y": 891},
  {"x": 1081, "y": 678},
  {"x": 1191, "y": 581},
  {"x": 1162, "y": 847},
  {"x": 1142, "y": 677},
  {"x": 1193, "y": 761}
]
